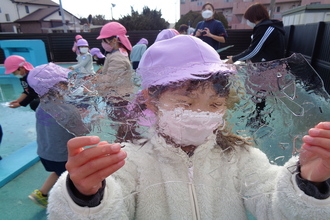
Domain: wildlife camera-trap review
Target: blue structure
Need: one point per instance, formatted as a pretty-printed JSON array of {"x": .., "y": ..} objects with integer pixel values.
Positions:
[{"x": 34, "y": 51}]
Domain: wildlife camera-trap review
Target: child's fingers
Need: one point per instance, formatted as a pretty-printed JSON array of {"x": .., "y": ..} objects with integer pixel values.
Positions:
[
  {"x": 76, "y": 144},
  {"x": 317, "y": 141},
  {"x": 86, "y": 155},
  {"x": 323, "y": 125},
  {"x": 96, "y": 170},
  {"x": 91, "y": 184}
]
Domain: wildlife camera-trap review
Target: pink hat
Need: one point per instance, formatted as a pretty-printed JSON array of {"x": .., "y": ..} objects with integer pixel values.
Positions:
[
  {"x": 13, "y": 62},
  {"x": 166, "y": 34},
  {"x": 77, "y": 37},
  {"x": 45, "y": 76},
  {"x": 166, "y": 61},
  {"x": 115, "y": 29},
  {"x": 97, "y": 52}
]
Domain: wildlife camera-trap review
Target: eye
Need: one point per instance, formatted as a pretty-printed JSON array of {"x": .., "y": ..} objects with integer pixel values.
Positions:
[
  {"x": 182, "y": 103},
  {"x": 217, "y": 105}
]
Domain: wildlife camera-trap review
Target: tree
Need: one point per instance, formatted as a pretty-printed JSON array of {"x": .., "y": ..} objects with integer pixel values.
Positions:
[
  {"x": 96, "y": 20},
  {"x": 192, "y": 18},
  {"x": 147, "y": 20}
]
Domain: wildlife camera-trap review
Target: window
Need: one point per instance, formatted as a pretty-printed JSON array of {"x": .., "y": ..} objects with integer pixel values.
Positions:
[
  {"x": 27, "y": 9},
  {"x": 278, "y": 9},
  {"x": 183, "y": 1},
  {"x": 7, "y": 17}
]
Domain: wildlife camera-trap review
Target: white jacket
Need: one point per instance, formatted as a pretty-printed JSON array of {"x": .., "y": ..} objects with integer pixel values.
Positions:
[{"x": 159, "y": 181}]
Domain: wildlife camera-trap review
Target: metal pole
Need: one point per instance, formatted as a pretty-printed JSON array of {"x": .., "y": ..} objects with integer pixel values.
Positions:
[{"x": 65, "y": 28}]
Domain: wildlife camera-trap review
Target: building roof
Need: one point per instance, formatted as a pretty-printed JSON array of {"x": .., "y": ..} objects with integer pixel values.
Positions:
[
  {"x": 39, "y": 14},
  {"x": 304, "y": 8},
  {"x": 36, "y": 2}
]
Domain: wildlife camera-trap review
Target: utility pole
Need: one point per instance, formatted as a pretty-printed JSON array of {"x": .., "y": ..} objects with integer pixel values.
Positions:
[
  {"x": 272, "y": 9},
  {"x": 65, "y": 28},
  {"x": 112, "y": 5}
]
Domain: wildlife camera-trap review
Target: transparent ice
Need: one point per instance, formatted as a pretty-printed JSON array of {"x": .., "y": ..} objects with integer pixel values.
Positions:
[{"x": 279, "y": 102}]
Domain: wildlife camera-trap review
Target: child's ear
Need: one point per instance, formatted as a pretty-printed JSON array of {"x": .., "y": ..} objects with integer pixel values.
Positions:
[{"x": 148, "y": 100}]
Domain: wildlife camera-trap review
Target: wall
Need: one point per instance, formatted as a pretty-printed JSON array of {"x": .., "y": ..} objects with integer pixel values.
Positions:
[{"x": 311, "y": 40}]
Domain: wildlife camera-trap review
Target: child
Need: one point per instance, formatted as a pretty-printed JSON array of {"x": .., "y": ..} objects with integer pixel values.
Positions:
[
  {"x": 189, "y": 167},
  {"x": 85, "y": 60},
  {"x": 166, "y": 34},
  {"x": 51, "y": 136},
  {"x": 115, "y": 84},
  {"x": 75, "y": 47},
  {"x": 99, "y": 57},
  {"x": 137, "y": 52},
  {"x": 20, "y": 68}
]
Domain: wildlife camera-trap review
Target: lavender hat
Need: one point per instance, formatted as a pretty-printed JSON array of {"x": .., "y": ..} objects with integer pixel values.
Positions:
[
  {"x": 45, "y": 76},
  {"x": 97, "y": 52},
  {"x": 180, "y": 58},
  {"x": 166, "y": 34},
  {"x": 143, "y": 41}
]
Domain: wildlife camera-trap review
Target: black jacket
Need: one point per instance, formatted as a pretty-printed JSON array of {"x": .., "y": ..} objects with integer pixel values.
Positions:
[
  {"x": 31, "y": 94},
  {"x": 268, "y": 43}
]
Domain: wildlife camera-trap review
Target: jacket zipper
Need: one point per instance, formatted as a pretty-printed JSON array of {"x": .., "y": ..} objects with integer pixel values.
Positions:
[{"x": 192, "y": 191}]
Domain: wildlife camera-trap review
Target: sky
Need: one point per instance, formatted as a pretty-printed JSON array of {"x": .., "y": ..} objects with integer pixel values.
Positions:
[{"x": 170, "y": 8}]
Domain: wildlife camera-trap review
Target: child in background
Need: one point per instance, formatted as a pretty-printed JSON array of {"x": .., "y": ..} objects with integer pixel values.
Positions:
[
  {"x": 166, "y": 34},
  {"x": 85, "y": 60},
  {"x": 98, "y": 57},
  {"x": 190, "y": 167},
  {"x": 51, "y": 137},
  {"x": 75, "y": 47},
  {"x": 115, "y": 84},
  {"x": 20, "y": 68},
  {"x": 137, "y": 51}
]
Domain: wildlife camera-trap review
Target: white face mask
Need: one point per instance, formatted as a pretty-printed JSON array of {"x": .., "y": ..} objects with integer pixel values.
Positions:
[
  {"x": 187, "y": 127},
  {"x": 207, "y": 14},
  {"x": 83, "y": 50},
  {"x": 250, "y": 23}
]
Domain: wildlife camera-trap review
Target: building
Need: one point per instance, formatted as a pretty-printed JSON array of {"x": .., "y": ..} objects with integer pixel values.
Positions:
[
  {"x": 234, "y": 10},
  {"x": 35, "y": 16},
  {"x": 306, "y": 14}
]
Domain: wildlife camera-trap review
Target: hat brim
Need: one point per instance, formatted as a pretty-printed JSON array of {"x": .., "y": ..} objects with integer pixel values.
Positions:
[
  {"x": 124, "y": 40},
  {"x": 167, "y": 75}
]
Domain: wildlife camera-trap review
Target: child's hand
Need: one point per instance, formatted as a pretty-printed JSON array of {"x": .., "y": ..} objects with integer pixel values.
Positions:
[
  {"x": 315, "y": 155},
  {"x": 89, "y": 167},
  {"x": 71, "y": 68},
  {"x": 14, "y": 104}
]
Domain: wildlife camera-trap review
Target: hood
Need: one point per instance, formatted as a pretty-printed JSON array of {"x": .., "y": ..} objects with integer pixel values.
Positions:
[{"x": 274, "y": 23}]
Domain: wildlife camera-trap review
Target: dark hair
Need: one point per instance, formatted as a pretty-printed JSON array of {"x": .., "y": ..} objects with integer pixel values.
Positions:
[
  {"x": 256, "y": 12},
  {"x": 220, "y": 83},
  {"x": 208, "y": 3},
  {"x": 183, "y": 28}
]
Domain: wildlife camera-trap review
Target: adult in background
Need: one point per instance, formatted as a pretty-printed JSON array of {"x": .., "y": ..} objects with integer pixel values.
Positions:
[
  {"x": 210, "y": 30},
  {"x": 268, "y": 41},
  {"x": 137, "y": 51},
  {"x": 18, "y": 66}
]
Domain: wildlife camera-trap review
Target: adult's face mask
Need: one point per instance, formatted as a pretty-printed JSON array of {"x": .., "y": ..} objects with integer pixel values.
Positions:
[
  {"x": 207, "y": 14},
  {"x": 250, "y": 23}
]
